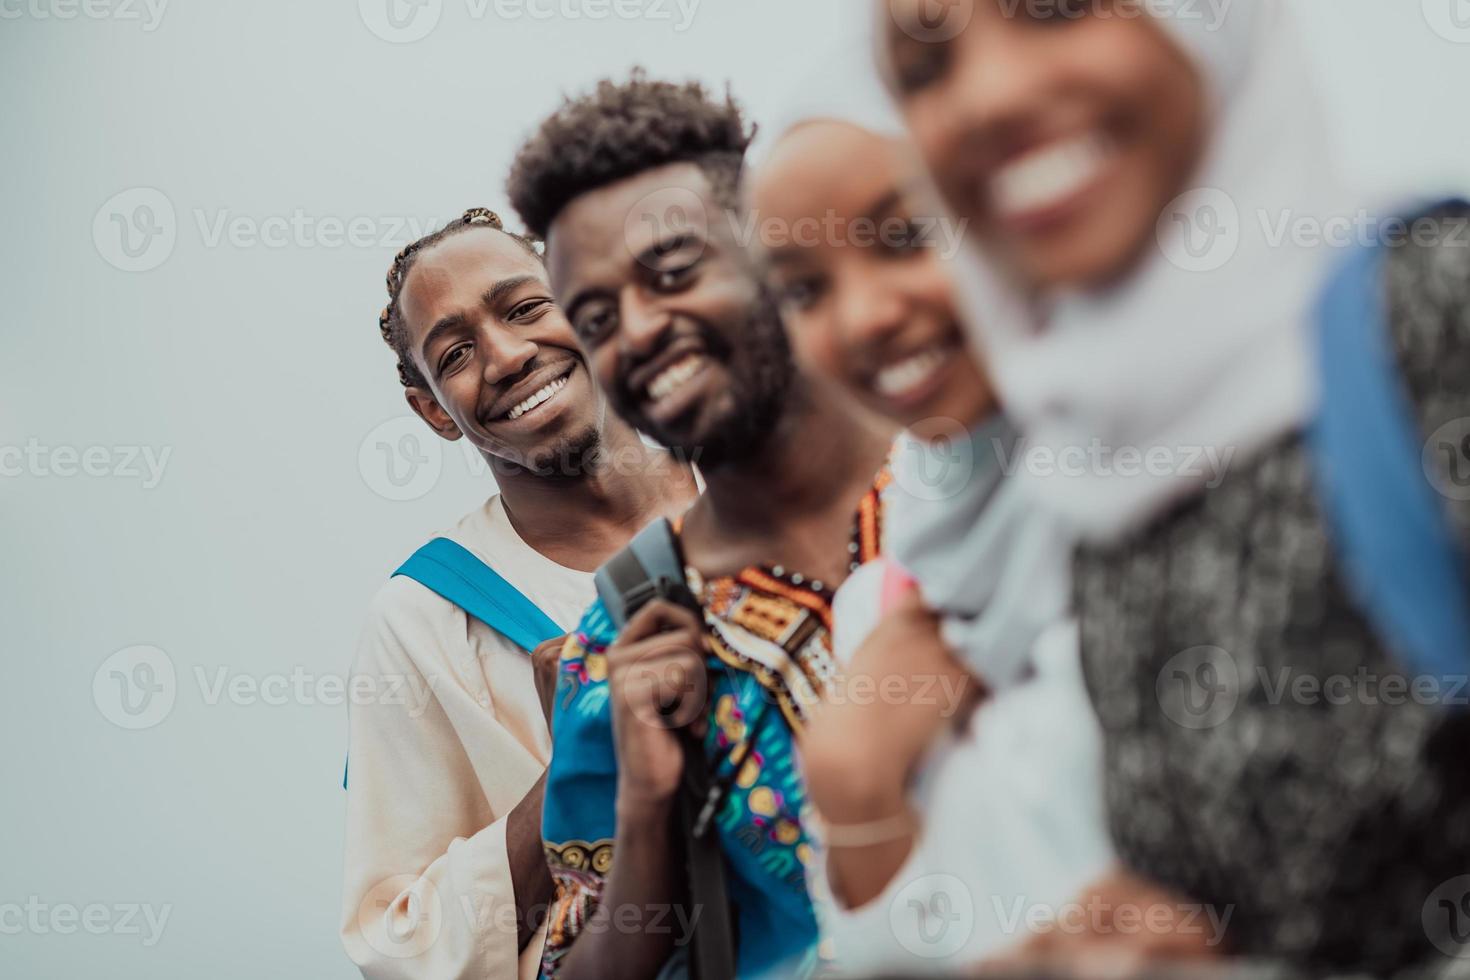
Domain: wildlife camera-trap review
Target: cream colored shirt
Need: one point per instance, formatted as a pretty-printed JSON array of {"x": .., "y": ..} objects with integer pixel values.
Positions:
[{"x": 448, "y": 740}]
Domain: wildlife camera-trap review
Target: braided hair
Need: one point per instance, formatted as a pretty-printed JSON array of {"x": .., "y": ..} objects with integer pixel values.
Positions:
[{"x": 390, "y": 321}]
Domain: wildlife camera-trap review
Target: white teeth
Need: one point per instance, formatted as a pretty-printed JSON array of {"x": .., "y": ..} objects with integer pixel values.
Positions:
[
  {"x": 669, "y": 380},
  {"x": 1049, "y": 175},
  {"x": 541, "y": 397},
  {"x": 909, "y": 373}
]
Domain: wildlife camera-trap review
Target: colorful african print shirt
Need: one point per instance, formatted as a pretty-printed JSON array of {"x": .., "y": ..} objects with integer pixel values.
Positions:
[{"x": 770, "y": 659}]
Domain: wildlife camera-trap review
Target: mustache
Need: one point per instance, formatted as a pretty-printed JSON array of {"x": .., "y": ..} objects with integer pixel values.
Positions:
[{"x": 714, "y": 344}]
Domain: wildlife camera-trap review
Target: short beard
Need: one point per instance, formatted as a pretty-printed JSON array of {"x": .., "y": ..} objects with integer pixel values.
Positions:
[
  {"x": 571, "y": 457},
  {"x": 763, "y": 379}
]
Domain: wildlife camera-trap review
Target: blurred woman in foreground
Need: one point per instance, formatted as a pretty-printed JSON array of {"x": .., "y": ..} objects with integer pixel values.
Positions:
[
  {"x": 1249, "y": 413},
  {"x": 927, "y": 801}
]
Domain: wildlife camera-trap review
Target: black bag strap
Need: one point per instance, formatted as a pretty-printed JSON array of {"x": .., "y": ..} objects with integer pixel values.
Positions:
[{"x": 652, "y": 566}]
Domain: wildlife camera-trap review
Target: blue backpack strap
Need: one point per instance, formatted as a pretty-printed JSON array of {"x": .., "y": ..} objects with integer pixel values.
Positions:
[
  {"x": 1402, "y": 557},
  {"x": 453, "y": 572}
]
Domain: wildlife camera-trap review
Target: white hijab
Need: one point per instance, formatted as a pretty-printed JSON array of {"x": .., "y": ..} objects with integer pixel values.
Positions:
[{"x": 1198, "y": 357}]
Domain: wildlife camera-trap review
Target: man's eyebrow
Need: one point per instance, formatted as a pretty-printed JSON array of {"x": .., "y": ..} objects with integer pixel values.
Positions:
[
  {"x": 498, "y": 292},
  {"x": 657, "y": 250},
  {"x": 456, "y": 321},
  {"x": 580, "y": 299},
  {"x": 448, "y": 324}
]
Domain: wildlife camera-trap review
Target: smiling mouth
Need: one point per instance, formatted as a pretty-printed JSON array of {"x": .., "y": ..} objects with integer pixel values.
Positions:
[
  {"x": 672, "y": 378},
  {"x": 536, "y": 400},
  {"x": 1049, "y": 177},
  {"x": 912, "y": 376}
]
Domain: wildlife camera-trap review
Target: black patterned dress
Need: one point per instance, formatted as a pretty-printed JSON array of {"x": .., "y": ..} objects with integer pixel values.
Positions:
[{"x": 1330, "y": 815}]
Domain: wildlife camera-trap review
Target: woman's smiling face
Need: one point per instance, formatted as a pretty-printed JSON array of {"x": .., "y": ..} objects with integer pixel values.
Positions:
[
  {"x": 863, "y": 289},
  {"x": 1060, "y": 128}
]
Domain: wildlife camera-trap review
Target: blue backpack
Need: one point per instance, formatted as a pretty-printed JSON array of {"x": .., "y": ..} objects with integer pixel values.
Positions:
[
  {"x": 1402, "y": 559},
  {"x": 453, "y": 572}
]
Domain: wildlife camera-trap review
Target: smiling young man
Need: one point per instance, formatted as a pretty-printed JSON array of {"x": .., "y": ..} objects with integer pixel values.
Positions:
[
  {"x": 445, "y": 875},
  {"x": 633, "y": 187}
]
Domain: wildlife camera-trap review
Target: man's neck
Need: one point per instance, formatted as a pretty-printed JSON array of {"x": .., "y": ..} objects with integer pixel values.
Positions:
[
  {"x": 807, "y": 479},
  {"x": 581, "y": 516}
]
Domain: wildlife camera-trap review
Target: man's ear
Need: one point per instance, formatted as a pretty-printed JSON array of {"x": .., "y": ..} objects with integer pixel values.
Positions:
[{"x": 426, "y": 407}]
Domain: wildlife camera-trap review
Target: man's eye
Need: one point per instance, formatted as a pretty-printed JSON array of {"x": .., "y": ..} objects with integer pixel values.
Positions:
[
  {"x": 918, "y": 64},
  {"x": 594, "y": 325},
  {"x": 1055, "y": 12},
  {"x": 453, "y": 357},
  {"x": 667, "y": 280},
  {"x": 530, "y": 309}
]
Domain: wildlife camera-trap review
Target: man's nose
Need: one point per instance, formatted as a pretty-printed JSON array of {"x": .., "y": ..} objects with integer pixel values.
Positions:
[
  {"x": 643, "y": 323},
  {"x": 507, "y": 353}
]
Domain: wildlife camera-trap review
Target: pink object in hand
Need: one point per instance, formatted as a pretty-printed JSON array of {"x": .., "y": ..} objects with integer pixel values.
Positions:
[{"x": 896, "y": 584}]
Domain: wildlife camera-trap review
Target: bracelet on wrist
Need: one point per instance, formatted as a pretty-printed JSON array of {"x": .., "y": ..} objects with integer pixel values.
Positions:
[{"x": 870, "y": 833}]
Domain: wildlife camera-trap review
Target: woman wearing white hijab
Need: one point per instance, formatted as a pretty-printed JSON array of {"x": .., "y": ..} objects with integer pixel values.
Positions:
[
  {"x": 1005, "y": 815},
  {"x": 1186, "y": 375}
]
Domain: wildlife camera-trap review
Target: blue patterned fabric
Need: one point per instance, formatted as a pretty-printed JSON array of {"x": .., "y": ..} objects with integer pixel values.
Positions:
[{"x": 760, "y": 823}]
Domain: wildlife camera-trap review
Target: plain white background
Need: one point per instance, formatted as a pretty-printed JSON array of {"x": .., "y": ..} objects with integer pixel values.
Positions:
[{"x": 249, "y": 353}]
